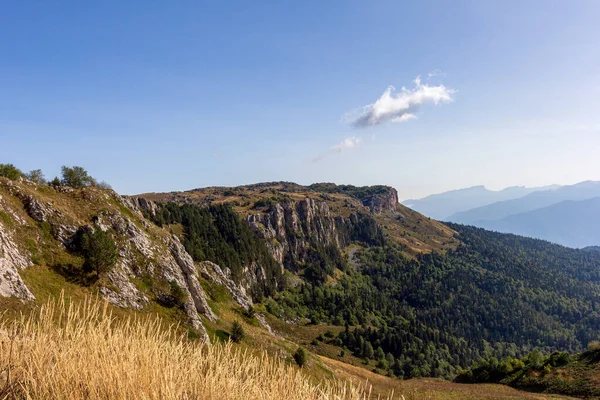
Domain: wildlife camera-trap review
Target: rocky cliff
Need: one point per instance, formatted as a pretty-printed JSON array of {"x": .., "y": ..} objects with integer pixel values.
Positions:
[
  {"x": 290, "y": 228},
  {"x": 292, "y": 218},
  {"x": 38, "y": 224}
]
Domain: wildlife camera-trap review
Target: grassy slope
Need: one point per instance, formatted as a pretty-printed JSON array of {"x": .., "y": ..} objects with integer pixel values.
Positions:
[{"x": 89, "y": 354}]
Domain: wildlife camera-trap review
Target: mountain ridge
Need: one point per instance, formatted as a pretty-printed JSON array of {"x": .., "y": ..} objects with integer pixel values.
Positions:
[
  {"x": 538, "y": 199},
  {"x": 572, "y": 223},
  {"x": 442, "y": 205}
]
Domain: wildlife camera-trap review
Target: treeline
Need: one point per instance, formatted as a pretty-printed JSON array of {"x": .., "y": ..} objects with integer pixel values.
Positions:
[
  {"x": 559, "y": 372},
  {"x": 218, "y": 234},
  {"x": 75, "y": 177},
  {"x": 359, "y": 192}
]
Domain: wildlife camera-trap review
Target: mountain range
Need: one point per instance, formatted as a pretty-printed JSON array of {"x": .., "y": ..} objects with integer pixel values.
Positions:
[
  {"x": 567, "y": 215},
  {"x": 347, "y": 273},
  {"x": 441, "y": 206}
]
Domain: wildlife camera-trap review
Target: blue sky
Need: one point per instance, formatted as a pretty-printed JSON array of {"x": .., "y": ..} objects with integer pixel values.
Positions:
[{"x": 161, "y": 96}]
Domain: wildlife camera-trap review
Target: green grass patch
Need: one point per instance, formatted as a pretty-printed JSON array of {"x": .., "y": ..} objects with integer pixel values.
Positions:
[
  {"x": 217, "y": 293},
  {"x": 46, "y": 283},
  {"x": 6, "y": 219},
  {"x": 221, "y": 335}
]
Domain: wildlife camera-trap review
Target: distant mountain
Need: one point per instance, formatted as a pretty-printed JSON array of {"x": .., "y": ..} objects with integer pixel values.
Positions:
[
  {"x": 592, "y": 248},
  {"x": 532, "y": 201},
  {"x": 441, "y": 206},
  {"x": 570, "y": 223}
]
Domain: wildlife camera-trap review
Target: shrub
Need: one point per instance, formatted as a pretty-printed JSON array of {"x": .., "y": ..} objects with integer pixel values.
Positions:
[
  {"x": 178, "y": 294},
  {"x": 76, "y": 177},
  {"x": 99, "y": 251},
  {"x": 273, "y": 308},
  {"x": 559, "y": 358},
  {"x": 594, "y": 345},
  {"x": 55, "y": 182},
  {"x": 536, "y": 359},
  {"x": 382, "y": 364},
  {"x": 250, "y": 312},
  {"x": 300, "y": 357},
  {"x": 104, "y": 185},
  {"x": 237, "y": 332},
  {"x": 10, "y": 171},
  {"x": 36, "y": 176}
]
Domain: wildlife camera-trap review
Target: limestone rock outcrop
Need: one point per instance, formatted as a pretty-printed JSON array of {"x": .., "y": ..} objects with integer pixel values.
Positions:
[
  {"x": 214, "y": 273},
  {"x": 143, "y": 249},
  {"x": 290, "y": 226},
  {"x": 12, "y": 259},
  {"x": 382, "y": 201}
]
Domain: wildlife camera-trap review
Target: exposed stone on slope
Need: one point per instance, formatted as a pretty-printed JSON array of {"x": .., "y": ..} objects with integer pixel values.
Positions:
[
  {"x": 215, "y": 274},
  {"x": 169, "y": 258},
  {"x": 143, "y": 249},
  {"x": 140, "y": 203},
  {"x": 290, "y": 226},
  {"x": 11, "y": 260},
  {"x": 44, "y": 213},
  {"x": 185, "y": 262},
  {"x": 382, "y": 201}
]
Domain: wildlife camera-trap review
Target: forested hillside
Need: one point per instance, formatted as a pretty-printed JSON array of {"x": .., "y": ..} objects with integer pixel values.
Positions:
[{"x": 495, "y": 295}]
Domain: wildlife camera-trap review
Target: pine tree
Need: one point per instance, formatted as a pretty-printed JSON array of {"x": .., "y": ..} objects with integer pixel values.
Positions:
[
  {"x": 300, "y": 357},
  {"x": 369, "y": 350},
  {"x": 237, "y": 332}
]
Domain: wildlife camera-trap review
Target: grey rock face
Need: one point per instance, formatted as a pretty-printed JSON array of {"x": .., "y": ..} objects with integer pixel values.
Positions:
[
  {"x": 12, "y": 259},
  {"x": 215, "y": 274},
  {"x": 140, "y": 204},
  {"x": 185, "y": 262},
  {"x": 289, "y": 226},
  {"x": 161, "y": 256},
  {"x": 377, "y": 203}
]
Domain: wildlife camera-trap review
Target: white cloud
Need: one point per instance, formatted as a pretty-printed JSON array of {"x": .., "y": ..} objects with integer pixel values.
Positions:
[
  {"x": 348, "y": 143},
  {"x": 434, "y": 73},
  {"x": 400, "y": 107}
]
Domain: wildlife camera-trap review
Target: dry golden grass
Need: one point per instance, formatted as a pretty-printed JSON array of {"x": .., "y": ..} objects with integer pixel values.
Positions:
[{"x": 81, "y": 351}]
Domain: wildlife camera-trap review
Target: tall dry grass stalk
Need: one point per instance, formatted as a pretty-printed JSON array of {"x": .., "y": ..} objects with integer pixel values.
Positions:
[{"x": 82, "y": 352}]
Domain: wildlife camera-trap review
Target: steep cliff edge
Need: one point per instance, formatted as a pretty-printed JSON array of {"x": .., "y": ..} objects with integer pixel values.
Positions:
[{"x": 293, "y": 218}]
